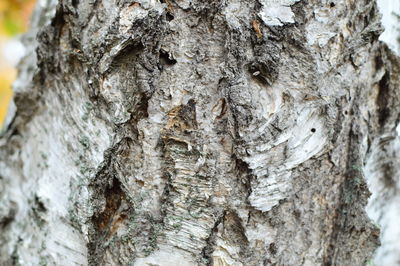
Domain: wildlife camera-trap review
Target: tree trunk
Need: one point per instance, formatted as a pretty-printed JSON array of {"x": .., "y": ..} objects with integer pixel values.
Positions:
[{"x": 192, "y": 132}]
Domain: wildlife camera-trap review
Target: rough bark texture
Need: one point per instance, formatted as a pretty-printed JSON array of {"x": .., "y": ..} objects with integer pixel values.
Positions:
[{"x": 196, "y": 132}]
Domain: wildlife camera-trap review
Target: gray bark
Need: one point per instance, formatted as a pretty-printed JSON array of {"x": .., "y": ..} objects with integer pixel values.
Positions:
[
  {"x": 200, "y": 132},
  {"x": 381, "y": 165}
]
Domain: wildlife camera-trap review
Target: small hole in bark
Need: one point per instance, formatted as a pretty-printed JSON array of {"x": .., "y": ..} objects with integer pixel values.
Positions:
[
  {"x": 140, "y": 183},
  {"x": 166, "y": 58},
  {"x": 332, "y": 4},
  {"x": 260, "y": 73},
  {"x": 75, "y": 3},
  {"x": 346, "y": 113},
  {"x": 272, "y": 248},
  {"x": 313, "y": 130},
  {"x": 169, "y": 16}
]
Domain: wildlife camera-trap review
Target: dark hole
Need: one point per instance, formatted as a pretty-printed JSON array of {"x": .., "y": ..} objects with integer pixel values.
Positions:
[
  {"x": 114, "y": 196},
  {"x": 382, "y": 100},
  {"x": 166, "y": 58},
  {"x": 313, "y": 130},
  {"x": 75, "y": 3},
  {"x": 169, "y": 16},
  {"x": 345, "y": 112},
  {"x": 258, "y": 72},
  {"x": 272, "y": 248},
  {"x": 127, "y": 56},
  {"x": 332, "y": 4},
  {"x": 39, "y": 204},
  {"x": 75, "y": 44},
  {"x": 378, "y": 62},
  {"x": 349, "y": 24}
]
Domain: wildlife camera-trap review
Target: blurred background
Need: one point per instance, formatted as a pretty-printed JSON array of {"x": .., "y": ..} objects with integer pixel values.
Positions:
[{"x": 14, "y": 20}]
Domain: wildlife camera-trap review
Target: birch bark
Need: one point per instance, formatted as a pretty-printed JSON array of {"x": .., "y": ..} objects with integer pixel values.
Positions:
[{"x": 199, "y": 133}]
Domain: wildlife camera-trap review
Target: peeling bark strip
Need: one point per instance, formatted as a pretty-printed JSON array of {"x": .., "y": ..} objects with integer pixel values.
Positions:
[
  {"x": 200, "y": 133},
  {"x": 277, "y": 12}
]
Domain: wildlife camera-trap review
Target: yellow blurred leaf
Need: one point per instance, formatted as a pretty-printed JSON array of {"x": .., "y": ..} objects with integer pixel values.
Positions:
[
  {"x": 7, "y": 76},
  {"x": 14, "y": 19}
]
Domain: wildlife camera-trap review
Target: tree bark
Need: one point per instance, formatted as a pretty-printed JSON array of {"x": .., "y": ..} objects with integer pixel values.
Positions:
[{"x": 196, "y": 132}]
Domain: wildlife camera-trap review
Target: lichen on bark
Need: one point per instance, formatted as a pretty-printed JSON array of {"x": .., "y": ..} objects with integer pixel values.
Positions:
[{"x": 196, "y": 133}]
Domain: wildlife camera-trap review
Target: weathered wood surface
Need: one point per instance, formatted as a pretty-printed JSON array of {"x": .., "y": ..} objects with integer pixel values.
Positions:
[{"x": 199, "y": 132}]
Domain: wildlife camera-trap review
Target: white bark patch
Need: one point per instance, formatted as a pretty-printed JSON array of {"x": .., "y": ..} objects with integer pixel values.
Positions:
[
  {"x": 317, "y": 30},
  {"x": 224, "y": 254},
  {"x": 383, "y": 206},
  {"x": 237, "y": 14},
  {"x": 167, "y": 256},
  {"x": 68, "y": 241},
  {"x": 272, "y": 162},
  {"x": 277, "y": 12},
  {"x": 270, "y": 190},
  {"x": 47, "y": 152},
  {"x": 260, "y": 235},
  {"x": 113, "y": 93}
]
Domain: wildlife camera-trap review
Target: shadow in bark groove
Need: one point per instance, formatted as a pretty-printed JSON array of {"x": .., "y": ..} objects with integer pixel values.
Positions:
[
  {"x": 382, "y": 100},
  {"x": 114, "y": 196},
  {"x": 350, "y": 206},
  {"x": 209, "y": 248}
]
